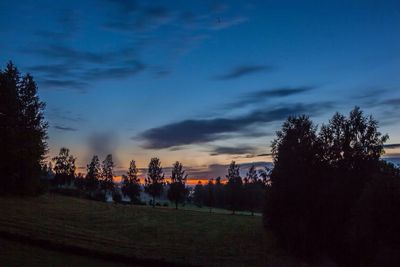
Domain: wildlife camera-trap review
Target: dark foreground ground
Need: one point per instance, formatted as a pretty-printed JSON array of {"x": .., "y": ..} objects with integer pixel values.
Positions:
[{"x": 53, "y": 230}]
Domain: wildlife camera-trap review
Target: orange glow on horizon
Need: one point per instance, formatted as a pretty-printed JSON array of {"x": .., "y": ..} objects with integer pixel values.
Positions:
[{"x": 189, "y": 181}]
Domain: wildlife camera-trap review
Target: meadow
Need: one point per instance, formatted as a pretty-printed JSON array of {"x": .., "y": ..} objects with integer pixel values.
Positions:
[{"x": 58, "y": 230}]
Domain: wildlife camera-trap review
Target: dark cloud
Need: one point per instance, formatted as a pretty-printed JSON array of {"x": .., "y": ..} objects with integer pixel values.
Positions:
[
  {"x": 60, "y": 83},
  {"x": 219, "y": 150},
  {"x": 65, "y": 128},
  {"x": 205, "y": 130},
  {"x": 391, "y": 146},
  {"x": 56, "y": 114},
  {"x": 395, "y": 102},
  {"x": 262, "y": 95},
  {"x": 244, "y": 70},
  {"x": 128, "y": 69}
]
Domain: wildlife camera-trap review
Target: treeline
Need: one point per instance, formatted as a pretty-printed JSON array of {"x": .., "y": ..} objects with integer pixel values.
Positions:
[
  {"x": 331, "y": 194},
  {"x": 234, "y": 193}
]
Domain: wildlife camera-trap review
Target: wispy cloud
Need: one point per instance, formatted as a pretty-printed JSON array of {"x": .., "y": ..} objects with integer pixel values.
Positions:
[
  {"x": 263, "y": 95},
  {"x": 65, "y": 128},
  {"x": 196, "y": 131},
  {"x": 391, "y": 146},
  {"x": 238, "y": 150},
  {"x": 244, "y": 70}
]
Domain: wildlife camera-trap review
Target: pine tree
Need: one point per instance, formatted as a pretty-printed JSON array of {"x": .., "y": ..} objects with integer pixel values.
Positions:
[
  {"x": 155, "y": 179},
  {"x": 131, "y": 183},
  {"x": 92, "y": 175},
  {"x": 64, "y": 167},
  {"x": 107, "y": 176},
  {"x": 198, "y": 195},
  {"x": 210, "y": 194},
  {"x": 177, "y": 189},
  {"x": 234, "y": 187},
  {"x": 23, "y": 132}
]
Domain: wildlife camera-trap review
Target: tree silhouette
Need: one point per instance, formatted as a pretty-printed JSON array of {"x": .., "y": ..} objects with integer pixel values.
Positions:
[
  {"x": 198, "y": 194},
  {"x": 253, "y": 188},
  {"x": 107, "y": 175},
  {"x": 219, "y": 193},
  {"x": 234, "y": 187},
  {"x": 131, "y": 183},
  {"x": 210, "y": 194},
  {"x": 155, "y": 179},
  {"x": 23, "y": 132},
  {"x": 317, "y": 181},
  {"x": 64, "y": 167},
  {"x": 93, "y": 175},
  {"x": 177, "y": 189}
]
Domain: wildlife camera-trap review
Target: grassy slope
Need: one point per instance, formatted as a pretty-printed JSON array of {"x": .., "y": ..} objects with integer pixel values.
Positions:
[{"x": 180, "y": 236}]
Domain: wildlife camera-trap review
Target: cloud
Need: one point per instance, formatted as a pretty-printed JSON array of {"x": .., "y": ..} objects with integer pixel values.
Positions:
[
  {"x": 391, "y": 146},
  {"x": 395, "y": 102},
  {"x": 65, "y": 128},
  {"x": 219, "y": 150},
  {"x": 57, "y": 84},
  {"x": 262, "y": 95},
  {"x": 223, "y": 23},
  {"x": 195, "y": 131},
  {"x": 244, "y": 70}
]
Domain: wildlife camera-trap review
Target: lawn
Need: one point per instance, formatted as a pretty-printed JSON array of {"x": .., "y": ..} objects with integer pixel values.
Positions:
[{"x": 135, "y": 234}]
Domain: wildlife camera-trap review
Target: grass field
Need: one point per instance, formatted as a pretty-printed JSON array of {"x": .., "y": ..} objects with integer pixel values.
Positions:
[{"x": 140, "y": 235}]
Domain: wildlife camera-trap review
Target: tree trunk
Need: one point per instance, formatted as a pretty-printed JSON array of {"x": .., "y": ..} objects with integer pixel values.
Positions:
[{"x": 176, "y": 205}]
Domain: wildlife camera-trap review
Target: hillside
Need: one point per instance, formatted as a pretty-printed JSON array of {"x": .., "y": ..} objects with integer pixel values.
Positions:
[{"x": 134, "y": 234}]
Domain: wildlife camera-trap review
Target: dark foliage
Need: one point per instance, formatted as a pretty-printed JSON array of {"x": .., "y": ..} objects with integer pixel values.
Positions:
[
  {"x": 178, "y": 192},
  {"x": 64, "y": 168},
  {"x": 317, "y": 182},
  {"x": 131, "y": 183},
  {"x": 23, "y": 132},
  {"x": 198, "y": 195},
  {"x": 155, "y": 179},
  {"x": 234, "y": 188}
]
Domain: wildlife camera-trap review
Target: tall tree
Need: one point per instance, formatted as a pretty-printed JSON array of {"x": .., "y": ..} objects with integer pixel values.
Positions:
[
  {"x": 107, "y": 175},
  {"x": 92, "y": 175},
  {"x": 155, "y": 179},
  {"x": 23, "y": 133},
  {"x": 64, "y": 167},
  {"x": 131, "y": 183},
  {"x": 253, "y": 189},
  {"x": 210, "y": 194},
  {"x": 198, "y": 194},
  {"x": 234, "y": 187},
  {"x": 177, "y": 189},
  {"x": 219, "y": 193}
]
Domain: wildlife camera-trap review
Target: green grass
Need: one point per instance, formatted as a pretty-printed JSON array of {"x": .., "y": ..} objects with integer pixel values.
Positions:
[{"x": 175, "y": 236}]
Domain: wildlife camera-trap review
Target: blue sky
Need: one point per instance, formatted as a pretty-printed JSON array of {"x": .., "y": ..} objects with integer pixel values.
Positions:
[{"x": 203, "y": 82}]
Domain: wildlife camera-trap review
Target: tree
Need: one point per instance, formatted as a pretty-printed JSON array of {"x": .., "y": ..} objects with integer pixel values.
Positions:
[
  {"x": 198, "y": 194},
  {"x": 234, "y": 187},
  {"x": 219, "y": 193},
  {"x": 64, "y": 167},
  {"x": 375, "y": 233},
  {"x": 155, "y": 179},
  {"x": 253, "y": 189},
  {"x": 107, "y": 176},
  {"x": 177, "y": 189},
  {"x": 210, "y": 194},
  {"x": 92, "y": 175},
  {"x": 23, "y": 133},
  {"x": 131, "y": 183},
  {"x": 317, "y": 181}
]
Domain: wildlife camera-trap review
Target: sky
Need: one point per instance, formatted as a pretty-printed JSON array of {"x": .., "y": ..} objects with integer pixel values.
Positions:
[{"x": 201, "y": 82}]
